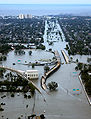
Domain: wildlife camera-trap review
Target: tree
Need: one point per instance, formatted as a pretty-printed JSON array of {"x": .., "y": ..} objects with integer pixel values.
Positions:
[
  {"x": 42, "y": 116},
  {"x": 52, "y": 86},
  {"x": 30, "y": 52},
  {"x": 1, "y": 109},
  {"x": 50, "y": 50},
  {"x": 12, "y": 95},
  {"x": 67, "y": 47},
  {"x": 25, "y": 96},
  {"x": 51, "y": 43},
  {"x": 71, "y": 58},
  {"x": 46, "y": 68},
  {"x": 88, "y": 60},
  {"x": 69, "y": 52},
  {"x": 19, "y": 118},
  {"x": 33, "y": 65},
  {"x": 77, "y": 60},
  {"x": 41, "y": 46},
  {"x": 80, "y": 66},
  {"x": 32, "y": 88},
  {"x": 2, "y": 71},
  {"x": 19, "y": 52}
]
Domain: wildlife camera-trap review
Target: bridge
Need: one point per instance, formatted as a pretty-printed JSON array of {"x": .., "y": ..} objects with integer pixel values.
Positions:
[
  {"x": 24, "y": 77},
  {"x": 65, "y": 56}
]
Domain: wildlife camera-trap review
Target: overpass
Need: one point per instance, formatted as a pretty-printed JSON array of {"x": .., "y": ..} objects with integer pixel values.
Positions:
[
  {"x": 24, "y": 77},
  {"x": 65, "y": 56}
]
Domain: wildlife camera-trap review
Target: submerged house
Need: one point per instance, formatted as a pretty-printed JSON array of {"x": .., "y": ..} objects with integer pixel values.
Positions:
[{"x": 32, "y": 74}]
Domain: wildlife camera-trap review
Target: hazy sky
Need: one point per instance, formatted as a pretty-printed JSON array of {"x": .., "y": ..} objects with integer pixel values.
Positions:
[{"x": 45, "y": 1}]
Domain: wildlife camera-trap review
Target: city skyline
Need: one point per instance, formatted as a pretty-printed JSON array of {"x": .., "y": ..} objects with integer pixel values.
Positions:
[{"x": 45, "y": 2}]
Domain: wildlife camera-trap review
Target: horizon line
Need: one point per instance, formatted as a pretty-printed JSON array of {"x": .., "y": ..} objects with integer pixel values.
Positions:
[{"x": 45, "y": 3}]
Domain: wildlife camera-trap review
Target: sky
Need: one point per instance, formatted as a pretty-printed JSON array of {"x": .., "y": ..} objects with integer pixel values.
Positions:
[{"x": 45, "y": 1}]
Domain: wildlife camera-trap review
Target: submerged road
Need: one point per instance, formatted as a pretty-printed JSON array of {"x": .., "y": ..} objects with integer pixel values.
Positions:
[{"x": 64, "y": 103}]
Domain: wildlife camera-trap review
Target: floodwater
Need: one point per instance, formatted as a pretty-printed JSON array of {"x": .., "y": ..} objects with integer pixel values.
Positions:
[
  {"x": 64, "y": 103},
  {"x": 82, "y": 58},
  {"x": 21, "y": 61}
]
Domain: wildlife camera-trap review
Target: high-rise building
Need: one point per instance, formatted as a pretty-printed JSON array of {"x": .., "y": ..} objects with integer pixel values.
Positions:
[
  {"x": 21, "y": 16},
  {"x": 29, "y": 16}
]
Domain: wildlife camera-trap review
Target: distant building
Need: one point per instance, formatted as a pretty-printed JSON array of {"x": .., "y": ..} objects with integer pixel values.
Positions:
[
  {"x": 29, "y": 16},
  {"x": 32, "y": 74},
  {"x": 21, "y": 16}
]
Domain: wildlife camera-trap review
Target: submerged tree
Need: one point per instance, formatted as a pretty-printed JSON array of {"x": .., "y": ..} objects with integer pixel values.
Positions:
[
  {"x": 30, "y": 52},
  {"x": 52, "y": 86},
  {"x": 32, "y": 88},
  {"x": 2, "y": 71},
  {"x": 46, "y": 68}
]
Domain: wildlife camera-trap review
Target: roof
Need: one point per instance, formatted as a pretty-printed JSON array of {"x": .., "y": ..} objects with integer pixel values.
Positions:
[{"x": 31, "y": 70}]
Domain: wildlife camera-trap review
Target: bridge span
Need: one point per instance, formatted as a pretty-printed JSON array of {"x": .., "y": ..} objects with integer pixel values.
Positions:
[{"x": 65, "y": 56}]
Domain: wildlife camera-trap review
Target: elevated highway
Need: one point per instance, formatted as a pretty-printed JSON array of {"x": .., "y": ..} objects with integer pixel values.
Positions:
[
  {"x": 65, "y": 56},
  {"x": 22, "y": 75}
]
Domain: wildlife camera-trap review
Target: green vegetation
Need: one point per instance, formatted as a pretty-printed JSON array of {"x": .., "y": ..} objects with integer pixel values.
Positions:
[
  {"x": 22, "y": 31},
  {"x": 67, "y": 47},
  {"x": 46, "y": 68},
  {"x": 51, "y": 43},
  {"x": 42, "y": 116},
  {"x": 5, "y": 48},
  {"x": 32, "y": 88},
  {"x": 2, "y": 71},
  {"x": 33, "y": 65},
  {"x": 77, "y": 60},
  {"x": 19, "y": 117},
  {"x": 29, "y": 96},
  {"x": 25, "y": 96},
  {"x": 85, "y": 75},
  {"x": 1, "y": 109},
  {"x": 19, "y": 52},
  {"x": 52, "y": 86},
  {"x": 50, "y": 50},
  {"x": 41, "y": 46},
  {"x": 13, "y": 82},
  {"x": 88, "y": 60},
  {"x": 30, "y": 52},
  {"x": 3, "y": 58},
  {"x": 79, "y": 66},
  {"x": 12, "y": 95},
  {"x": 77, "y": 31},
  {"x": 19, "y": 47}
]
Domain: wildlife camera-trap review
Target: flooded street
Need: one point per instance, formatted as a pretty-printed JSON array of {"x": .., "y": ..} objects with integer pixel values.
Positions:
[{"x": 64, "y": 103}]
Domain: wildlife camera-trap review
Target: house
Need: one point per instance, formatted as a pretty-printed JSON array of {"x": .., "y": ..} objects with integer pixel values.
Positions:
[{"x": 32, "y": 74}]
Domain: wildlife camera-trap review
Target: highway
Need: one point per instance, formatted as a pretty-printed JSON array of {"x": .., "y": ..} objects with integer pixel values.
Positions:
[
  {"x": 65, "y": 56},
  {"x": 19, "y": 73}
]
